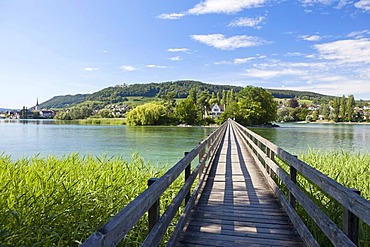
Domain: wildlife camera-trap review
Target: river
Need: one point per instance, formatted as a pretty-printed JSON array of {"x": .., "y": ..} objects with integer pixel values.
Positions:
[{"x": 162, "y": 145}]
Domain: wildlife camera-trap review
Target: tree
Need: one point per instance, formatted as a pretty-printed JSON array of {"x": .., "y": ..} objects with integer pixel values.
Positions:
[
  {"x": 342, "y": 109},
  {"x": 334, "y": 114},
  {"x": 186, "y": 111},
  {"x": 203, "y": 103},
  {"x": 255, "y": 106},
  {"x": 349, "y": 108},
  {"x": 147, "y": 114},
  {"x": 293, "y": 103}
]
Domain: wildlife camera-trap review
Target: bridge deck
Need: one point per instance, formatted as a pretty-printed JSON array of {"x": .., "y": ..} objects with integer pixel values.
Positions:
[{"x": 237, "y": 207}]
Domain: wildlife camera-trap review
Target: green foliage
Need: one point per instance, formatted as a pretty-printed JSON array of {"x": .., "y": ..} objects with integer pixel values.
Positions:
[
  {"x": 64, "y": 101},
  {"x": 186, "y": 112},
  {"x": 255, "y": 106},
  {"x": 61, "y": 201},
  {"x": 147, "y": 114},
  {"x": 74, "y": 113},
  {"x": 352, "y": 171}
]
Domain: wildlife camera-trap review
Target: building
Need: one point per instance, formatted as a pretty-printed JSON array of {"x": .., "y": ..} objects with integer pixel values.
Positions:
[{"x": 216, "y": 110}]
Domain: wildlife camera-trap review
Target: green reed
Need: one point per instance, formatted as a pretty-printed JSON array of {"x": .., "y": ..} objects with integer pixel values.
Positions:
[
  {"x": 61, "y": 201},
  {"x": 349, "y": 169}
]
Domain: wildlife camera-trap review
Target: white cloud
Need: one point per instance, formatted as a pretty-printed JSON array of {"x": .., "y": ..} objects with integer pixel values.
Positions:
[
  {"x": 222, "y": 62},
  {"x": 267, "y": 74},
  {"x": 219, "y": 41},
  {"x": 127, "y": 68},
  {"x": 359, "y": 34},
  {"x": 172, "y": 16},
  {"x": 178, "y": 58},
  {"x": 156, "y": 66},
  {"x": 248, "y": 22},
  {"x": 90, "y": 69},
  {"x": 311, "y": 37},
  {"x": 222, "y": 6},
  {"x": 216, "y": 7},
  {"x": 243, "y": 60},
  {"x": 363, "y": 4},
  {"x": 178, "y": 50},
  {"x": 346, "y": 51}
]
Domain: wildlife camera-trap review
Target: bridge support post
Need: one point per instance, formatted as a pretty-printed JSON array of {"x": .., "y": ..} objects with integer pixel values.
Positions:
[
  {"x": 351, "y": 223},
  {"x": 293, "y": 177},
  {"x": 187, "y": 175},
  {"x": 153, "y": 212}
]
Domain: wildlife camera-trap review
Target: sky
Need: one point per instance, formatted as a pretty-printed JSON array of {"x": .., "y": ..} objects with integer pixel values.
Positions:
[{"x": 59, "y": 47}]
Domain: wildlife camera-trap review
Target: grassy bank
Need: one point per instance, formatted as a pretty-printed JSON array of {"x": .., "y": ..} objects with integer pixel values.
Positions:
[
  {"x": 96, "y": 121},
  {"x": 61, "y": 201}
]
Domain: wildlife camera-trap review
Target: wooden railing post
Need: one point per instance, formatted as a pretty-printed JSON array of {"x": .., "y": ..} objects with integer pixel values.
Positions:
[
  {"x": 187, "y": 175},
  {"x": 153, "y": 212},
  {"x": 351, "y": 223},
  {"x": 293, "y": 177}
]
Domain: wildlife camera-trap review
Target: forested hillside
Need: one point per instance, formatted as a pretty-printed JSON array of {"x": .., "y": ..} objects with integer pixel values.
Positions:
[{"x": 118, "y": 93}]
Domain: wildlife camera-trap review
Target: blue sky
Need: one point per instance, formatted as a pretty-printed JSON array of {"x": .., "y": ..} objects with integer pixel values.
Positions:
[{"x": 50, "y": 48}]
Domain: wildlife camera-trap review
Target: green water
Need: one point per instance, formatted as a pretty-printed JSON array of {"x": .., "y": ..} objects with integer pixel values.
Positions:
[
  {"x": 163, "y": 145},
  {"x": 159, "y": 145},
  {"x": 300, "y": 137}
]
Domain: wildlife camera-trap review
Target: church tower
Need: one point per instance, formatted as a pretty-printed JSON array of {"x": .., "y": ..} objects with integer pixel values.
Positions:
[{"x": 37, "y": 104}]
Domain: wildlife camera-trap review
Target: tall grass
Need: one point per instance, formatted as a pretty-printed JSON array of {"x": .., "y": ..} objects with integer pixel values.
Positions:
[
  {"x": 349, "y": 169},
  {"x": 61, "y": 201}
]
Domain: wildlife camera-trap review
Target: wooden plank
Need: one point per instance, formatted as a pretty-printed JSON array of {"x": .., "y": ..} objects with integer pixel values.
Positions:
[
  {"x": 350, "y": 200},
  {"x": 237, "y": 207}
]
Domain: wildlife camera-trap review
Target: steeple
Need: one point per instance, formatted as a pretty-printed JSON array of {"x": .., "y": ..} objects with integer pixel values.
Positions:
[{"x": 37, "y": 104}]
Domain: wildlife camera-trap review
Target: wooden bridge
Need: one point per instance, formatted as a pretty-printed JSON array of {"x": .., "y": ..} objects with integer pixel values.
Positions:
[{"x": 246, "y": 195}]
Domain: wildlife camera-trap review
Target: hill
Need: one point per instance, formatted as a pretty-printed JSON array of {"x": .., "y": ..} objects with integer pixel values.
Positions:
[{"x": 181, "y": 89}]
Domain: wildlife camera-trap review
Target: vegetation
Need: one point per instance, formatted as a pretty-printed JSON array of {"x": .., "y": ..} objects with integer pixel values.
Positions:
[
  {"x": 349, "y": 169},
  {"x": 61, "y": 201},
  {"x": 251, "y": 106}
]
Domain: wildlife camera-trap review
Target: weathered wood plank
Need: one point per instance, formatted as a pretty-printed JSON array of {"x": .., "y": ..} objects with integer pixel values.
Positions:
[{"x": 237, "y": 207}]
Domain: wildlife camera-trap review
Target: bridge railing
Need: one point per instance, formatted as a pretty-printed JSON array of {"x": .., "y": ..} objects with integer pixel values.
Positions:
[
  {"x": 112, "y": 232},
  {"x": 355, "y": 207}
]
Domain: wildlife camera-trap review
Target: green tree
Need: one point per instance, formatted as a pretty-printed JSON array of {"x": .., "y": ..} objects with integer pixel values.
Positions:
[
  {"x": 342, "y": 109},
  {"x": 186, "y": 111},
  {"x": 349, "y": 108},
  {"x": 203, "y": 103},
  {"x": 255, "y": 106},
  {"x": 147, "y": 114},
  {"x": 334, "y": 114}
]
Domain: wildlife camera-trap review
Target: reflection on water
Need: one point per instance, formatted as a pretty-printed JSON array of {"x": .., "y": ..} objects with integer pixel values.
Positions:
[{"x": 299, "y": 137}]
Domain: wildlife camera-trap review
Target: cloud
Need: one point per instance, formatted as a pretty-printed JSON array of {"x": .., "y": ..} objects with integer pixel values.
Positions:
[
  {"x": 156, "y": 66},
  {"x": 363, "y": 4},
  {"x": 172, "y": 16},
  {"x": 219, "y": 41},
  {"x": 178, "y": 50},
  {"x": 248, "y": 22},
  {"x": 225, "y": 7},
  {"x": 178, "y": 58},
  {"x": 267, "y": 74},
  {"x": 127, "y": 68},
  {"x": 215, "y": 7},
  {"x": 243, "y": 60},
  {"x": 359, "y": 34},
  {"x": 346, "y": 51},
  {"x": 311, "y": 37},
  {"x": 90, "y": 69}
]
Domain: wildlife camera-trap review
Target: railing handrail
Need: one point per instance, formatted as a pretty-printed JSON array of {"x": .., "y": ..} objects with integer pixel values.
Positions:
[
  {"x": 351, "y": 201},
  {"x": 112, "y": 232}
]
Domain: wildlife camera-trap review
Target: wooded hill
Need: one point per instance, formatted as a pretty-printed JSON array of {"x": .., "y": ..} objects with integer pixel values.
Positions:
[{"x": 181, "y": 89}]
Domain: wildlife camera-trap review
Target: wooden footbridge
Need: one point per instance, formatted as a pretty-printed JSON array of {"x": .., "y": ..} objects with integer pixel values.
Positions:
[{"x": 242, "y": 192}]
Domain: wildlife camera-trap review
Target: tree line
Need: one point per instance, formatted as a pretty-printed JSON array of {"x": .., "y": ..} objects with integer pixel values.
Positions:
[{"x": 250, "y": 106}]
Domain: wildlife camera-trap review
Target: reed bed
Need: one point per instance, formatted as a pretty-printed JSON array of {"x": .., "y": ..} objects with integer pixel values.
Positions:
[
  {"x": 349, "y": 169},
  {"x": 61, "y": 201}
]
